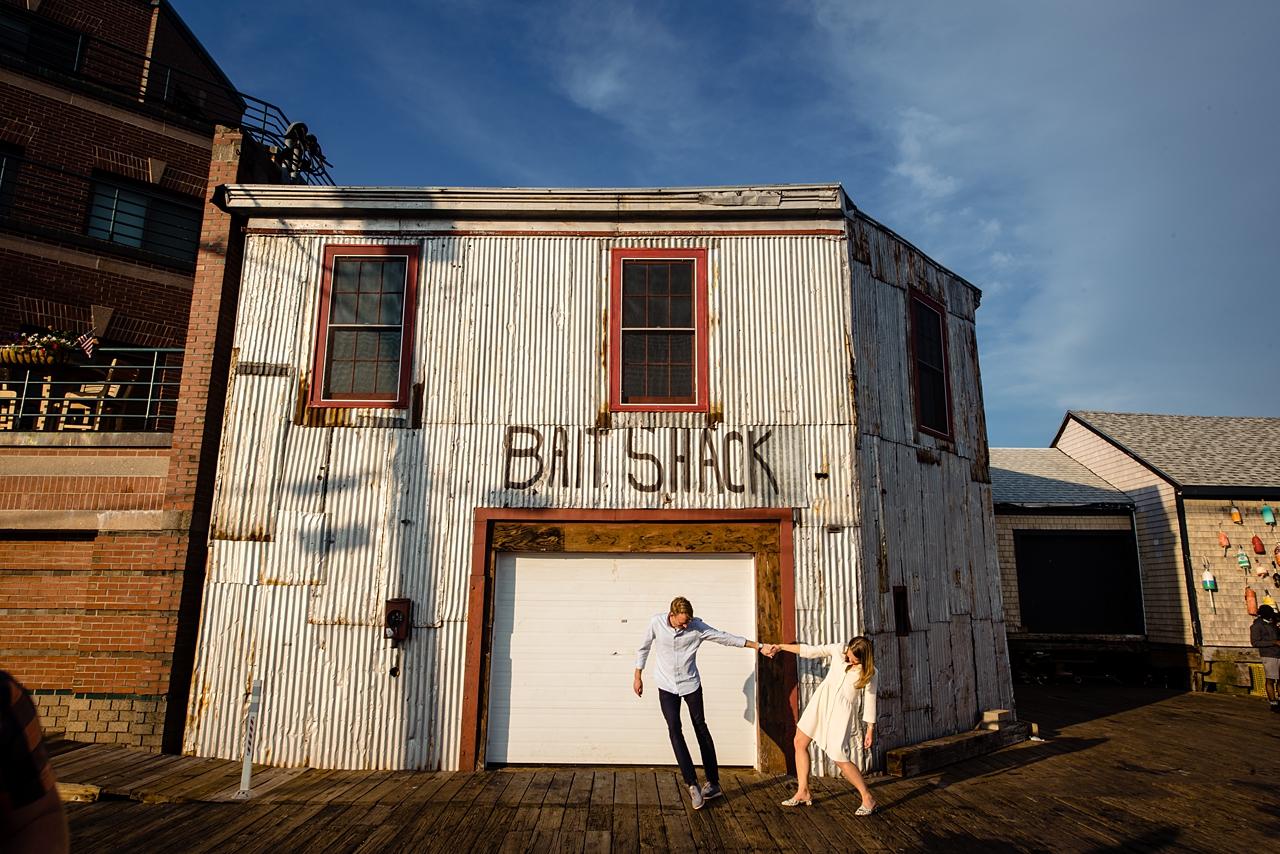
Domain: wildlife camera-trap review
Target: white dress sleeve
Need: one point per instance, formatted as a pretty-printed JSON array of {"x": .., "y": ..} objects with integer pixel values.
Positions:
[
  {"x": 828, "y": 650},
  {"x": 869, "y": 699}
]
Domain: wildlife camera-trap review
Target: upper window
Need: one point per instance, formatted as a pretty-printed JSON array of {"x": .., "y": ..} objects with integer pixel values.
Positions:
[
  {"x": 132, "y": 216},
  {"x": 658, "y": 330},
  {"x": 366, "y": 325},
  {"x": 929, "y": 344}
]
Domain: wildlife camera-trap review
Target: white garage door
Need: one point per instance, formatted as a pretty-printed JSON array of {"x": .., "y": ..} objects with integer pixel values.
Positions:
[{"x": 565, "y": 633}]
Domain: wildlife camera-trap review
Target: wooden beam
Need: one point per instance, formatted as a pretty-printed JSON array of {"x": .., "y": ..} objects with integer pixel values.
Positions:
[{"x": 928, "y": 755}]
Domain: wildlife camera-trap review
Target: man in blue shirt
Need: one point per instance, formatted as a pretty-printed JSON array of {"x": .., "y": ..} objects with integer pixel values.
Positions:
[{"x": 675, "y": 638}]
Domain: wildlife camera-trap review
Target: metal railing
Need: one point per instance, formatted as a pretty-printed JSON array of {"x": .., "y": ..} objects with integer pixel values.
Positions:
[
  {"x": 34, "y": 42},
  {"x": 47, "y": 196},
  {"x": 121, "y": 390}
]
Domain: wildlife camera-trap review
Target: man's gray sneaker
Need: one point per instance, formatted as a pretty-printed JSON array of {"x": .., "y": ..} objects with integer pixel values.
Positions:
[
  {"x": 697, "y": 796},
  {"x": 711, "y": 790}
]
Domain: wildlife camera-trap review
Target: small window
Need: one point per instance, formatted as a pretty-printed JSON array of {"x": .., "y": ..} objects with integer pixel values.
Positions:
[
  {"x": 929, "y": 343},
  {"x": 901, "y": 612},
  {"x": 132, "y": 216},
  {"x": 10, "y": 164},
  {"x": 366, "y": 323},
  {"x": 658, "y": 330}
]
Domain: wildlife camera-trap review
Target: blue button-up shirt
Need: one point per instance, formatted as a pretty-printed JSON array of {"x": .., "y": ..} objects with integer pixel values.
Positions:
[{"x": 675, "y": 666}]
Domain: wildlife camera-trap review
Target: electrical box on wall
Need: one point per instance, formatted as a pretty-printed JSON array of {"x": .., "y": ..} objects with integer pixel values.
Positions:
[{"x": 399, "y": 616}]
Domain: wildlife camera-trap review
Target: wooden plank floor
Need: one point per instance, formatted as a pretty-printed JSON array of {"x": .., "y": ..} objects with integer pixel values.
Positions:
[{"x": 1122, "y": 769}]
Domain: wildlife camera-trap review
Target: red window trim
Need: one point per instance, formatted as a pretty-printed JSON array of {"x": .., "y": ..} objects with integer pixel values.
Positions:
[
  {"x": 914, "y": 296},
  {"x": 701, "y": 372},
  {"x": 332, "y": 252}
]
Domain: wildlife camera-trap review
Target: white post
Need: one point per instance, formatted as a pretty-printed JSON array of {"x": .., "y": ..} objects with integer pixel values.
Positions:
[{"x": 250, "y": 731}]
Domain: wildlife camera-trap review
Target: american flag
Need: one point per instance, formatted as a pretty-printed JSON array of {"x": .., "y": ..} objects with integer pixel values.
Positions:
[{"x": 86, "y": 342}]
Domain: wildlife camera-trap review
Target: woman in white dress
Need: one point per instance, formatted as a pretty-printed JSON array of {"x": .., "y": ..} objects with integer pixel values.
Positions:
[{"x": 849, "y": 687}]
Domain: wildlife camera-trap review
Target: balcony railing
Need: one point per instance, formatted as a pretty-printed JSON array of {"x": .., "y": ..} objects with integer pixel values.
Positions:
[
  {"x": 121, "y": 390},
  {"x": 34, "y": 42}
]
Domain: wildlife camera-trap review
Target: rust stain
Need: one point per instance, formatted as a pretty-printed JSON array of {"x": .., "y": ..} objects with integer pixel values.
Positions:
[{"x": 715, "y": 414}]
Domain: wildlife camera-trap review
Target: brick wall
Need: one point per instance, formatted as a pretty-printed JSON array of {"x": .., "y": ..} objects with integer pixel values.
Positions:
[
  {"x": 1164, "y": 589},
  {"x": 1008, "y": 523},
  {"x": 1228, "y": 630}
]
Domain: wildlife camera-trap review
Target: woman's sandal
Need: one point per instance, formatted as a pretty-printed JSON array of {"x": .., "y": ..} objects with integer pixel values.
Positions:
[
  {"x": 867, "y": 810},
  {"x": 793, "y": 802}
]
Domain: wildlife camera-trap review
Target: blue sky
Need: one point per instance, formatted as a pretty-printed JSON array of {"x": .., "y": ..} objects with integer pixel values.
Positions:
[{"x": 1106, "y": 172}]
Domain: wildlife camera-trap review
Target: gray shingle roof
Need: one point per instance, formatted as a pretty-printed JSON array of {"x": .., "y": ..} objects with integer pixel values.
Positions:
[
  {"x": 1047, "y": 476},
  {"x": 1197, "y": 450}
]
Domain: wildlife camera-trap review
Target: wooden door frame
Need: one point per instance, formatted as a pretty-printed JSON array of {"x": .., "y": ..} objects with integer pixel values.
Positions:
[{"x": 767, "y": 533}]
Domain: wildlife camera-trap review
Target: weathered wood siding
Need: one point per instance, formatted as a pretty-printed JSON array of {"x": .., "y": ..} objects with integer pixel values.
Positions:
[
  {"x": 1228, "y": 629},
  {"x": 1164, "y": 590},
  {"x": 1008, "y": 523},
  {"x": 927, "y": 522}
]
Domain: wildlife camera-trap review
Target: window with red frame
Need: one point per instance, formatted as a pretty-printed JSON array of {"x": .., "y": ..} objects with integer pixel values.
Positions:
[
  {"x": 366, "y": 325},
  {"x": 929, "y": 341},
  {"x": 659, "y": 330}
]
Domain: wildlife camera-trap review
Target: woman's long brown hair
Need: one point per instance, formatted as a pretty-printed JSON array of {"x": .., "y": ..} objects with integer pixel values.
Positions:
[{"x": 861, "y": 649}]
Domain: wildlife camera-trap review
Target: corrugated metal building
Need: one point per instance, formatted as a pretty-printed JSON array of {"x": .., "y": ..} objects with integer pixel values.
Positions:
[
  {"x": 1192, "y": 479},
  {"x": 1069, "y": 568},
  {"x": 515, "y": 408}
]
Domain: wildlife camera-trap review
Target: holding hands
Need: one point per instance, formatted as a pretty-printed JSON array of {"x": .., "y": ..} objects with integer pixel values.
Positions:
[{"x": 769, "y": 650}]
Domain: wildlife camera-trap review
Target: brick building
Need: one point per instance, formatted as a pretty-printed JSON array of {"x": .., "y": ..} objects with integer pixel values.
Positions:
[{"x": 115, "y": 127}]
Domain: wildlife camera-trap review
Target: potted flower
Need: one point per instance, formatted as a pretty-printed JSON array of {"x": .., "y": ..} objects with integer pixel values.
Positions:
[{"x": 49, "y": 347}]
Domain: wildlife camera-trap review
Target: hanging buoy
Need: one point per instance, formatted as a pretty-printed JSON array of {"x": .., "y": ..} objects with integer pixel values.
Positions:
[
  {"x": 1276, "y": 554},
  {"x": 1268, "y": 601},
  {"x": 1225, "y": 541},
  {"x": 1268, "y": 516},
  {"x": 1210, "y": 584},
  {"x": 1260, "y": 571},
  {"x": 1235, "y": 515},
  {"x": 1258, "y": 547},
  {"x": 1251, "y": 601},
  {"x": 1243, "y": 560}
]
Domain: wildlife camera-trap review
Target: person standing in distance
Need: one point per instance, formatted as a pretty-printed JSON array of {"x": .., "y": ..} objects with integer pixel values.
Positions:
[
  {"x": 1265, "y": 637},
  {"x": 674, "y": 638}
]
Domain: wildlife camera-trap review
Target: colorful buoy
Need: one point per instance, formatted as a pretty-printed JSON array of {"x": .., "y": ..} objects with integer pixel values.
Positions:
[
  {"x": 1268, "y": 515},
  {"x": 1235, "y": 515}
]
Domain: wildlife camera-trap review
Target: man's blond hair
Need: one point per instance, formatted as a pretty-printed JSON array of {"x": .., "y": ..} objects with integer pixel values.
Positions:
[{"x": 680, "y": 605}]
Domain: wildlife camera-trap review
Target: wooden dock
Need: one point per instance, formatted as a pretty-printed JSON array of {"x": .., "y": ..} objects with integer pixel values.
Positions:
[{"x": 1122, "y": 769}]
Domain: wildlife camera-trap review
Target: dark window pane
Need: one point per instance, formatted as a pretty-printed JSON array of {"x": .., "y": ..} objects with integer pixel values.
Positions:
[
  {"x": 389, "y": 345},
  {"x": 343, "y": 344},
  {"x": 343, "y": 309},
  {"x": 370, "y": 277},
  {"x": 659, "y": 386},
  {"x": 682, "y": 278},
  {"x": 633, "y": 348},
  {"x": 659, "y": 278},
  {"x": 393, "y": 275},
  {"x": 118, "y": 215},
  {"x": 392, "y": 309},
  {"x": 928, "y": 336},
  {"x": 368, "y": 311},
  {"x": 364, "y": 378},
  {"x": 682, "y": 312},
  {"x": 367, "y": 345},
  {"x": 633, "y": 278},
  {"x": 388, "y": 377},
  {"x": 659, "y": 349},
  {"x": 682, "y": 381},
  {"x": 933, "y": 400},
  {"x": 633, "y": 311},
  {"x": 338, "y": 378},
  {"x": 632, "y": 382},
  {"x": 9, "y": 166},
  {"x": 682, "y": 348},
  {"x": 658, "y": 312},
  {"x": 346, "y": 276}
]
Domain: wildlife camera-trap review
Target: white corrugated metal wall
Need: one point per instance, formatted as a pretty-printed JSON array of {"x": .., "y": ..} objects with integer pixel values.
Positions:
[{"x": 316, "y": 526}]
